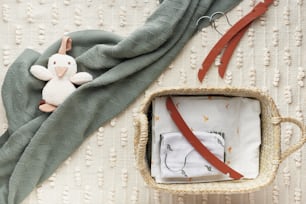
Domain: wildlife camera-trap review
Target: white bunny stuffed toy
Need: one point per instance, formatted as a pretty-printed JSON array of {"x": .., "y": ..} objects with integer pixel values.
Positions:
[{"x": 61, "y": 75}]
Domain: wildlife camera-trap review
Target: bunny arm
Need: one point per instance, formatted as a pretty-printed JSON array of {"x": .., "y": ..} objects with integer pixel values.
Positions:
[
  {"x": 81, "y": 78},
  {"x": 41, "y": 73}
]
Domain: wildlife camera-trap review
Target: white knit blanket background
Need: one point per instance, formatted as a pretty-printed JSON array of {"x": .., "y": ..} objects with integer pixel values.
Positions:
[{"x": 271, "y": 56}]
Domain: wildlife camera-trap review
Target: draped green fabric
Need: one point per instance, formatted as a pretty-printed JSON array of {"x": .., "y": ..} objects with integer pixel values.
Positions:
[{"x": 36, "y": 143}]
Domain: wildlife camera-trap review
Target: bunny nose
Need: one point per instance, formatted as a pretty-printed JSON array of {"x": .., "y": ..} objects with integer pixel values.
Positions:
[{"x": 60, "y": 71}]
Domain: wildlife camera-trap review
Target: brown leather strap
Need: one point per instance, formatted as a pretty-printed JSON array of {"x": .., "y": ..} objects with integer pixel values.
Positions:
[
  {"x": 229, "y": 51},
  {"x": 232, "y": 38},
  {"x": 196, "y": 143}
]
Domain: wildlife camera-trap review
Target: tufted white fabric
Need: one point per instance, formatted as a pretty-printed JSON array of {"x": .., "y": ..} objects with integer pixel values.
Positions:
[{"x": 102, "y": 170}]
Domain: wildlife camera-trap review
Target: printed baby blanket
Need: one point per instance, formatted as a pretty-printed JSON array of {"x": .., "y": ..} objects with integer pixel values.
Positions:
[
  {"x": 180, "y": 161},
  {"x": 237, "y": 119}
]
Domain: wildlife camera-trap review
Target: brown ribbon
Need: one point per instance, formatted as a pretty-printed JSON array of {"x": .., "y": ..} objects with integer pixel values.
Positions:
[{"x": 196, "y": 143}]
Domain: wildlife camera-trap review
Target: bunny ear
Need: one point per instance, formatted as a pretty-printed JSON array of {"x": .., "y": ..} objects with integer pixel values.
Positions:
[{"x": 66, "y": 45}]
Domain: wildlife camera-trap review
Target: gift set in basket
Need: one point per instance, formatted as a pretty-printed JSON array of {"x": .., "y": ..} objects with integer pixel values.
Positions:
[{"x": 210, "y": 140}]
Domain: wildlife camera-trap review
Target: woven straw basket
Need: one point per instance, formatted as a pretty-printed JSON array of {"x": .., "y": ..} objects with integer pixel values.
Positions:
[{"x": 271, "y": 154}]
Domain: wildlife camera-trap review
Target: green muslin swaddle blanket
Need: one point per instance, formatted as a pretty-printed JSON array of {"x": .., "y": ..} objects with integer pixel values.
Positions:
[{"x": 36, "y": 143}]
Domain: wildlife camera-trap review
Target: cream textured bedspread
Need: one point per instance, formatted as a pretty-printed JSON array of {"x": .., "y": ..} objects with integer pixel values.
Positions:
[{"x": 271, "y": 56}]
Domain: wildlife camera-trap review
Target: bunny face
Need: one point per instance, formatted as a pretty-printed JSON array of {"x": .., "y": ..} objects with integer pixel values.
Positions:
[{"x": 62, "y": 66}]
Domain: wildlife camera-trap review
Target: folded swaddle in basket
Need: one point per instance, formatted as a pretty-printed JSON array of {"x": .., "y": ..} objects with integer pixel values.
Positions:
[
  {"x": 180, "y": 161},
  {"x": 236, "y": 118}
]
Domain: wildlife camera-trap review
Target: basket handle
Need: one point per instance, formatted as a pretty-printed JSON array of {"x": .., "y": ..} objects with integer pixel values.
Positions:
[{"x": 301, "y": 141}]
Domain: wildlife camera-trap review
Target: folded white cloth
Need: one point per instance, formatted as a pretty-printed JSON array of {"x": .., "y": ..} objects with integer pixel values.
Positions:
[
  {"x": 237, "y": 118},
  {"x": 180, "y": 160}
]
